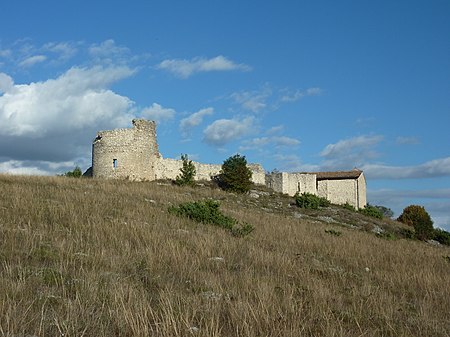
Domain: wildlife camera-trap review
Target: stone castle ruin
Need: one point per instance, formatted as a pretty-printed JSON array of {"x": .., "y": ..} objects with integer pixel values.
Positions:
[{"x": 133, "y": 154}]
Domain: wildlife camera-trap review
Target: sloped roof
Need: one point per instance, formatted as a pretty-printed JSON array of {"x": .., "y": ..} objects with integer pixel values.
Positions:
[{"x": 353, "y": 174}]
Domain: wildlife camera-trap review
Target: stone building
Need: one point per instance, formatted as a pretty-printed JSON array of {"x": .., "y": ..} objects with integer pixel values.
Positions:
[
  {"x": 133, "y": 154},
  {"x": 339, "y": 187}
]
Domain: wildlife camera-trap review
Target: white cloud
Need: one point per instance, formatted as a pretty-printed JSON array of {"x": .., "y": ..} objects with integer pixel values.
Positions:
[
  {"x": 299, "y": 94},
  {"x": 72, "y": 101},
  {"x": 275, "y": 129},
  {"x": 157, "y": 113},
  {"x": 38, "y": 167},
  {"x": 277, "y": 142},
  {"x": 6, "y": 83},
  {"x": 18, "y": 167},
  {"x": 107, "y": 49},
  {"x": 32, "y": 60},
  {"x": 285, "y": 141},
  {"x": 66, "y": 50},
  {"x": 350, "y": 153},
  {"x": 292, "y": 163},
  {"x": 186, "y": 124},
  {"x": 56, "y": 120},
  {"x": 223, "y": 131},
  {"x": 433, "y": 168},
  {"x": 186, "y": 68},
  {"x": 254, "y": 101}
]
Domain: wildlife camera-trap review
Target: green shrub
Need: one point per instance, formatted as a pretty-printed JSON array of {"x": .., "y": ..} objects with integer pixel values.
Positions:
[
  {"x": 371, "y": 211},
  {"x": 417, "y": 217},
  {"x": 387, "y": 212},
  {"x": 311, "y": 201},
  {"x": 208, "y": 212},
  {"x": 76, "y": 173},
  {"x": 406, "y": 233},
  {"x": 442, "y": 236},
  {"x": 235, "y": 176},
  {"x": 186, "y": 177}
]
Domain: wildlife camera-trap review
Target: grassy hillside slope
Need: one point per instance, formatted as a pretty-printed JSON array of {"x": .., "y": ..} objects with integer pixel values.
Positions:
[{"x": 81, "y": 257}]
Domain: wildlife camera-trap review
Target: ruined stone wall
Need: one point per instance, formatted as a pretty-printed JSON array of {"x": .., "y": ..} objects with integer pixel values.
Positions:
[
  {"x": 339, "y": 191},
  {"x": 362, "y": 197},
  {"x": 126, "y": 153},
  {"x": 170, "y": 169},
  {"x": 275, "y": 181},
  {"x": 291, "y": 183},
  {"x": 352, "y": 191}
]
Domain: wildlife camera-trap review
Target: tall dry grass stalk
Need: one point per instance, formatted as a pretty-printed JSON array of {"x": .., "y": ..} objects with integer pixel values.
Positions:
[{"x": 81, "y": 257}]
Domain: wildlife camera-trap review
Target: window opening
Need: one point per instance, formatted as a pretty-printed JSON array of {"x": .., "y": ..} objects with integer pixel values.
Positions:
[{"x": 115, "y": 163}]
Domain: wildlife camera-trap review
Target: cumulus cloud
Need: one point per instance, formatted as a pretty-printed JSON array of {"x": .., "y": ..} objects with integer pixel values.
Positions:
[
  {"x": 299, "y": 94},
  {"x": 254, "y": 101},
  {"x": 19, "y": 167},
  {"x": 223, "y": 131},
  {"x": 72, "y": 101},
  {"x": 32, "y": 60},
  {"x": 66, "y": 50},
  {"x": 108, "y": 50},
  {"x": 158, "y": 113},
  {"x": 56, "y": 120},
  {"x": 6, "y": 83},
  {"x": 277, "y": 142},
  {"x": 292, "y": 163},
  {"x": 186, "y": 68},
  {"x": 195, "y": 119},
  {"x": 431, "y": 169},
  {"x": 349, "y": 153},
  {"x": 275, "y": 129}
]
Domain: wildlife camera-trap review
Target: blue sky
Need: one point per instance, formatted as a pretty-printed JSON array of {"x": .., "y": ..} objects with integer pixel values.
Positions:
[{"x": 293, "y": 85}]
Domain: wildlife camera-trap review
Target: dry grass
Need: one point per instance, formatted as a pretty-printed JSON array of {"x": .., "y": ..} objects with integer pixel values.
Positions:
[{"x": 81, "y": 257}]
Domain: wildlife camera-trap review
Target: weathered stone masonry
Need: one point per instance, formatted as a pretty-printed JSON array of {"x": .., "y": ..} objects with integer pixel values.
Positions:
[{"x": 133, "y": 154}]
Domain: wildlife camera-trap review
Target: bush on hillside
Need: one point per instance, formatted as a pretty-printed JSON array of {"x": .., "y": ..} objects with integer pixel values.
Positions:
[
  {"x": 442, "y": 236},
  {"x": 372, "y": 211},
  {"x": 76, "y": 173},
  {"x": 417, "y": 217},
  {"x": 208, "y": 212},
  {"x": 387, "y": 212},
  {"x": 235, "y": 176},
  {"x": 188, "y": 171},
  {"x": 311, "y": 201}
]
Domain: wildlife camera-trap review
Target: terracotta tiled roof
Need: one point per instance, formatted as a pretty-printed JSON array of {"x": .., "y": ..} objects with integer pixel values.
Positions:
[{"x": 354, "y": 174}]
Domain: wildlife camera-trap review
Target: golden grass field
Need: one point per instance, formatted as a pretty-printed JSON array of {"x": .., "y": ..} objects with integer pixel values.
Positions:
[{"x": 83, "y": 257}]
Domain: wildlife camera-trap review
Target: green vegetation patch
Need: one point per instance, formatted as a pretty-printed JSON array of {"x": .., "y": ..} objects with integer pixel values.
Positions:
[
  {"x": 187, "y": 172},
  {"x": 207, "y": 211},
  {"x": 442, "y": 236},
  {"x": 311, "y": 201},
  {"x": 372, "y": 211}
]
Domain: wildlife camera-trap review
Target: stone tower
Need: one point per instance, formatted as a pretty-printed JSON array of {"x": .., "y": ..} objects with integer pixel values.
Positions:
[{"x": 126, "y": 153}]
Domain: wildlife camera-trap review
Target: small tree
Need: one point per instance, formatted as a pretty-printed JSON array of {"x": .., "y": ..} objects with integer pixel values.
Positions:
[
  {"x": 186, "y": 177},
  {"x": 417, "y": 217},
  {"x": 235, "y": 175},
  {"x": 76, "y": 173}
]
